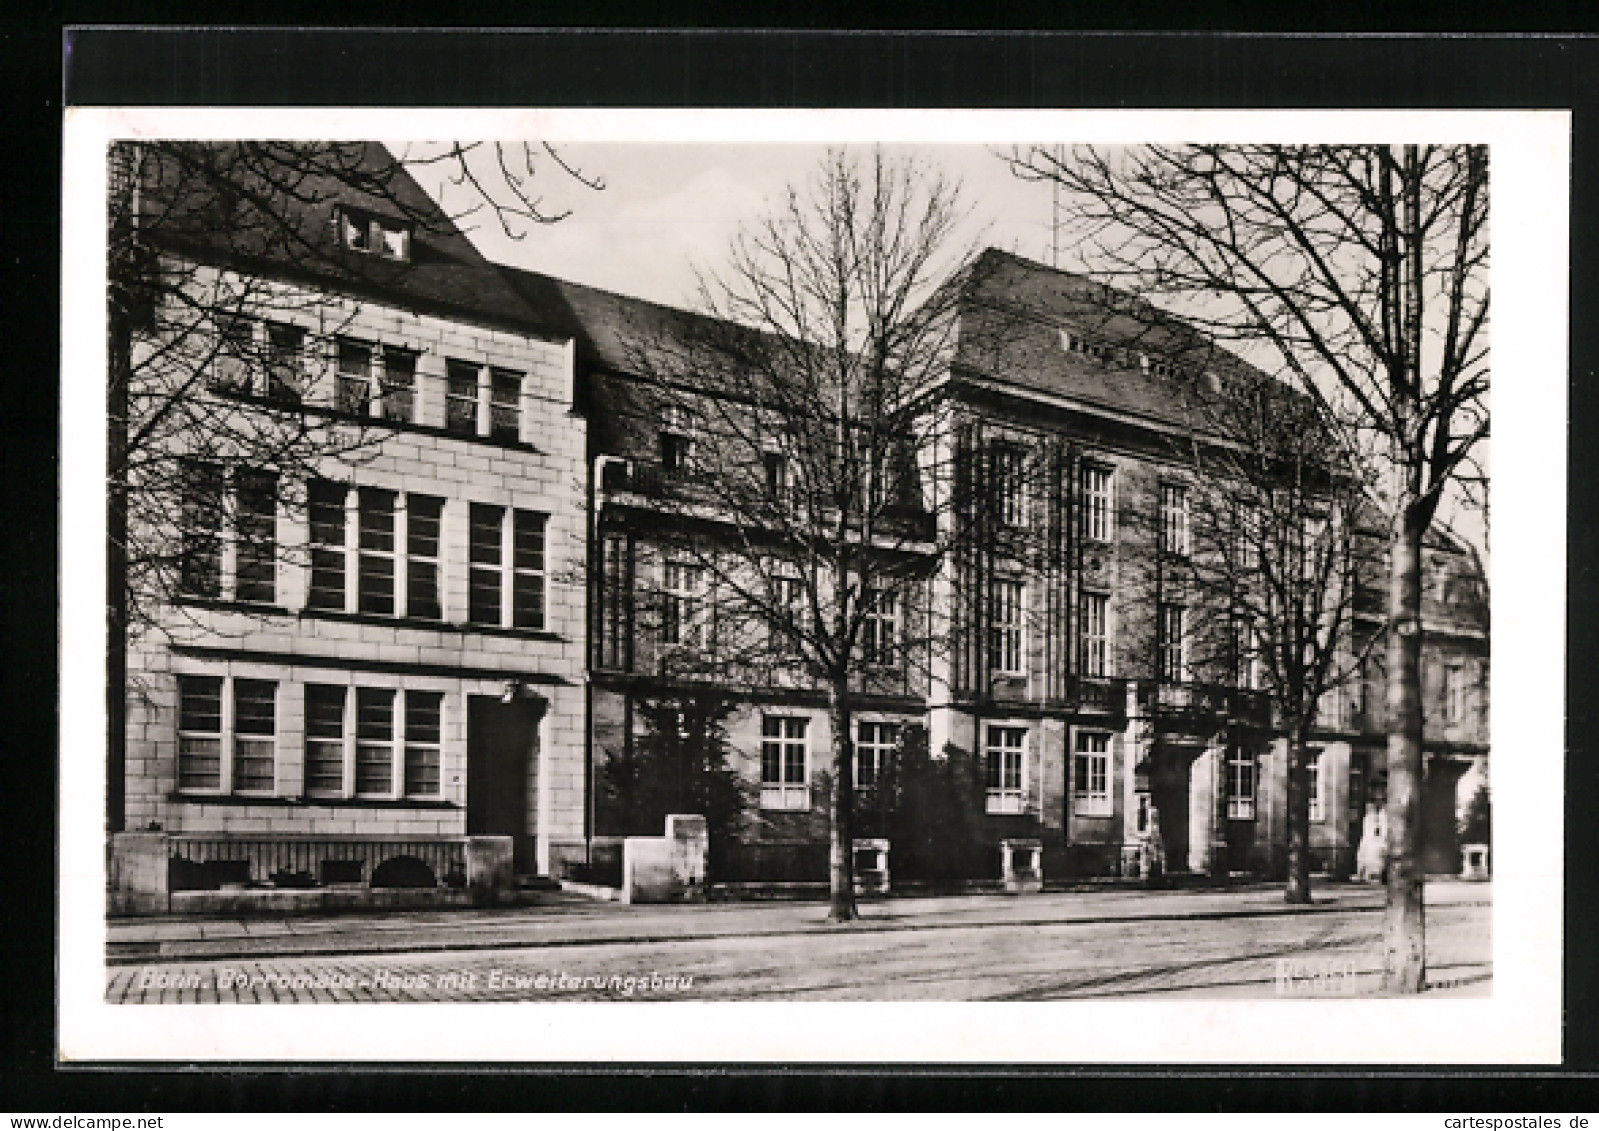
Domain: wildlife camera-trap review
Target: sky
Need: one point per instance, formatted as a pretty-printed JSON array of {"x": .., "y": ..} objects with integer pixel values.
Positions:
[{"x": 667, "y": 209}]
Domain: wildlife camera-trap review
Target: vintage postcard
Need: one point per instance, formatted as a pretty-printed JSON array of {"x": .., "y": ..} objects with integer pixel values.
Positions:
[{"x": 735, "y": 585}]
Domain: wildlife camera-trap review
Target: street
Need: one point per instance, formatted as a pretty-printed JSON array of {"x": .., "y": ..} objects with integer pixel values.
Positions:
[{"x": 1239, "y": 943}]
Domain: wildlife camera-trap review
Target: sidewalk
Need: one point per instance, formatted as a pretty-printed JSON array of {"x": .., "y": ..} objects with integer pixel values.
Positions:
[{"x": 578, "y": 922}]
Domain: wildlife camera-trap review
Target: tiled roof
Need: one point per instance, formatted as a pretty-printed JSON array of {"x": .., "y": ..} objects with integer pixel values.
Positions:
[
  {"x": 272, "y": 205},
  {"x": 1016, "y": 319}
]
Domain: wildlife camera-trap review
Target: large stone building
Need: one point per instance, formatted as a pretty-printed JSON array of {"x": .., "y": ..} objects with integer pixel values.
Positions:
[{"x": 449, "y": 630}]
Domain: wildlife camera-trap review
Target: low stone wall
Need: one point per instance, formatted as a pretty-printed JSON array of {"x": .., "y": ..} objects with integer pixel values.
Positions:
[{"x": 670, "y": 868}]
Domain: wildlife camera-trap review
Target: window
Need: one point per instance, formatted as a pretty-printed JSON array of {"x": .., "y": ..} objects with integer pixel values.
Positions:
[
  {"x": 1095, "y": 635},
  {"x": 374, "y": 742},
  {"x": 324, "y": 739},
  {"x": 1171, "y": 644},
  {"x": 1097, "y": 517},
  {"x": 1240, "y": 785},
  {"x": 1174, "y": 518},
  {"x": 785, "y": 780},
  {"x": 354, "y": 381},
  {"x": 1091, "y": 774},
  {"x": 374, "y": 235},
  {"x": 285, "y": 362},
  {"x": 1454, "y": 691},
  {"x": 364, "y": 753},
  {"x": 874, "y": 745},
  {"x": 200, "y": 542},
  {"x": 200, "y": 732},
  {"x": 1251, "y": 654},
  {"x": 222, "y": 554},
  {"x": 1250, "y": 533},
  {"x": 328, "y": 523},
  {"x": 461, "y": 397},
  {"x": 683, "y": 605},
  {"x": 235, "y": 350},
  {"x": 505, "y": 404},
  {"x": 1005, "y": 626},
  {"x": 879, "y": 626},
  {"x": 777, "y": 477},
  {"x": 788, "y": 592},
  {"x": 677, "y": 440},
  {"x": 423, "y": 518},
  {"x": 255, "y": 536},
  {"x": 1004, "y": 765},
  {"x": 399, "y": 384},
  {"x": 1314, "y": 783},
  {"x": 422, "y": 743},
  {"x": 527, "y": 563},
  {"x": 1010, "y": 496},
  {"x": 1141, "y": 810},
  {"x": 217, "y": 714},
  {"x": 375, "y": 584},
  {"x": 491, "y": 588},
  {"x": 254, "y": 735}
]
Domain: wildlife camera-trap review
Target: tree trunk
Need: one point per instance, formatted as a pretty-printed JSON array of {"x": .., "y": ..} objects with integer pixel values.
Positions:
[
  {"x": 1404, "y": 925},
  {"x": 116, "y": 688},
  {"x": 841, "y": 869},
  {"x": 1220, "y": 866},
  {"x": 1298, "y": 888}
]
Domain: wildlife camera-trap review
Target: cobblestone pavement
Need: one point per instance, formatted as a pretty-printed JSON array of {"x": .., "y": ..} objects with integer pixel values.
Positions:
[{"x": 1218, "y": 944}]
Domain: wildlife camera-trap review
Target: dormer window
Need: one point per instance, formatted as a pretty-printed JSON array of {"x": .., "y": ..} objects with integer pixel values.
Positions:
[
  {"x": 677, "y": 440},
  {"x": 374, "y": 235}
]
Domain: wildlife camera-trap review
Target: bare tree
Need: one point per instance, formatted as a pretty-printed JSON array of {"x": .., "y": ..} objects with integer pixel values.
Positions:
[
  {"x": 222, "y": 404},
  {"x": 1277, "y": 541},
  {"x": 806, "y": 503},
  {"x": 1360, "y": 274}
]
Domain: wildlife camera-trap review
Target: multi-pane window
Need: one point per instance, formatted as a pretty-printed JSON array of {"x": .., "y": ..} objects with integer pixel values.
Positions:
[
  {"x": 1240, "y": 785},
  {"x": 238, "y": 716},
  {"x": 505, "y": 404},
  {"x": 235, "y": 353},
  {"x": 200, "y": 732},
  {"x": 423, "y": 744},
  {"x": 399, "y": 384},
  {"x": 374, "y": 235},
  {"x": 353, "y": 382},
  {"x": 1004, "y": 763},
  {"x": 1008, "y": 464},
  {"x": 527, "y": 564},
  {"x": 1251, "y": 654},
  {"x": 384, "y": 720},
  {"x": 328, "y": 522},
  {"x": 1005, "y": 607},
  {"x": 874, "y": 745},
  {"x": 777, "y": 476},
  {"x": 375, "y": 584},
  {"x": 285, "y": 358},
  {"x": 1174, "y": 518},
  {"x": 492, "y": 589},
  {"x": 788, "y": 594},
  {"x": 1249, "y": 534},
  {"x": 460, "y": 397},
  {"x": 374, "y": 741},
  {"x": 1171, "y": 644},
  {"x": 200, "y": 542},
  {"x": 1091, "y": 774},
  {"x": 423, "y": 515},
  {"x": 324, "y": 739},
  {"x": 1097, "y": 515},
  {"x": 1095, "y": 634},
  {"x": 879, "y": 626},
  {"x": 486, "y": 554},
  {"x": 1315, "y": 784},
  {"x": 677, "y": 440},
  {"x": 785, "y": 780},
  {"x": 254, "y": 735},
  {"x": 683, "y": 619},
  {"x": 228, "y": 550}
]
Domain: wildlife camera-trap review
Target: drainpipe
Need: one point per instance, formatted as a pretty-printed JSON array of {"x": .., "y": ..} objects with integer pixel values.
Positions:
[{"x": 596, "y": 499}]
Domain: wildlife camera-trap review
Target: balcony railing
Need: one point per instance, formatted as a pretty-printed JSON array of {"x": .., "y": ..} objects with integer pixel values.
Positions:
[
  {"x": 1101, "y": 694},
  {"x": 1206, "y": 701},
  {"x": 207, "y": 861}
]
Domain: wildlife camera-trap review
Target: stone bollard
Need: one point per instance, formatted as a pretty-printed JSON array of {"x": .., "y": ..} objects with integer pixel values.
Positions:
[
  {"x": 871, "y": 866},
  {"x": 137, "y": 866},
  {"x": 1474, "y": 861},
  {"x": 690, "y": 838},
  {"x": 490, "y": 868},
  {"x": 1021, "y": 865},
  {"x": 1371, "y": 859}
]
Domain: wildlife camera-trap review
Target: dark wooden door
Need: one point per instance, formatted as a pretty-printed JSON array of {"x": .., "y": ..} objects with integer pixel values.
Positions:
[
  {"x": 1168, "y": 791},
  {"x": 499, "y": 754}
]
